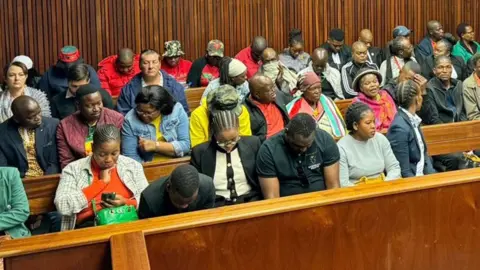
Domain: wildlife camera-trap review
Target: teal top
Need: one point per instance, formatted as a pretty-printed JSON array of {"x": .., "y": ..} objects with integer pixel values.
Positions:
[
  {"x": 14, "y": 209},
  {"x": 460, "y": 51}
]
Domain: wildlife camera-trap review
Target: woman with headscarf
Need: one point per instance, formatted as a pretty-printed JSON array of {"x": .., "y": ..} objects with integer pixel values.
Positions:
[
  {"x": 33, "y": 75},
  {"x": 16, "y": 75},
  {"x": 294, "y": 57},
  {"x": 229, "y": 159},
  {"x": 232, "y": 72},
  {"x": 319, "y": 106},
  {"x": 367, "y": 84}
]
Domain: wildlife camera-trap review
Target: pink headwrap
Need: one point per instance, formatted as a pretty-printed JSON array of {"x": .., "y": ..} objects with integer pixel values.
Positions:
[{"x": 309, "y": 79}]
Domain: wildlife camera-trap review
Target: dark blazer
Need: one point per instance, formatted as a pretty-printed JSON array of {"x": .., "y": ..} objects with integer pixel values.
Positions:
[
  {"x": 155, "y": 200},
  {"x": 204, "y": 158},
  {"x": 403, "y": 140},
  {"x": 345, "y": 54},
  {"x": 195, "y": 73},
  {"x": 12, "y": 152},
  {"x": 457, "y": 63},
  {"x": 424, "y": 49},
  {"x": 258, "y": 123},
  {"x": 376, "y": 54}
]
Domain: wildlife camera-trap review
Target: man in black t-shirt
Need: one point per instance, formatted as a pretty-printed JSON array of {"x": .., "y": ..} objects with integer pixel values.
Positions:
[{"x": 300, "y": 159}]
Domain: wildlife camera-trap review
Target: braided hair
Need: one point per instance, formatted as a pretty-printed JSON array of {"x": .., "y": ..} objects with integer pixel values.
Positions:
[
  {"x": 105, "y": 133},
  {"x": 224, "y": 120},
  {"x": 406, "y": 93},
  {"x": 302, "y": 124},
  {"x": 224, "y": 70},
  {"x": 355, "y": 113}
]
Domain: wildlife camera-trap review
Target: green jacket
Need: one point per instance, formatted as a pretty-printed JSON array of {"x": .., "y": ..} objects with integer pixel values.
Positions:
[
  {"x": 460, "y": 51},
  {"x": 14, "y": 209}
]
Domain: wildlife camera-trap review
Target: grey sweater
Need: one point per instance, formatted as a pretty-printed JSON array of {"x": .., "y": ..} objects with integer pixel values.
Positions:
[{"x": 370, "y": 159}]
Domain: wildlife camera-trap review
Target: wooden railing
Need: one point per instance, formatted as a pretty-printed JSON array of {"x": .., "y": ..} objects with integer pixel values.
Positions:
[
  {"x": 440, "y": 139},
  {"x": 427, "y": 222}
]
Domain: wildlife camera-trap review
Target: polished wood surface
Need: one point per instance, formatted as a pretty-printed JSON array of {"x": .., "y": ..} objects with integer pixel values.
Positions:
[
  {"x": 419, "y": 223},
  {"x": 194, "y": 95},
  {"x": 129, "y": 252},
  {"x": 86, "y": 256},
  {"x": 100, "y": 27},
  {"x": 440, "y": 139}
]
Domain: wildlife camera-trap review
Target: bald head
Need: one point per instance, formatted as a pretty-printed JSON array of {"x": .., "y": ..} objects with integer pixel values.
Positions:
[
  {"x": 124, "y": 61},
  {"x": 269, "y": 55},
  {"x": 319, "y": 60},
  {"x": 366, "y": 37},
  {"x": 259, "y": 44},
  {"x": 359, "y": 52},
  {"x": 262, "y": 89},
  {"x": 435, "y": 30},
  {"x": 408, "y": 71},
  {"x": 26, "y": 112}
]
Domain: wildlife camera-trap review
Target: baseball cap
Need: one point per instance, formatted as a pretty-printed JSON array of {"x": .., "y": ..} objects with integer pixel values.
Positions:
[
  {"x": 215, "y": 48},
  {"x": 173, "y": 48},
  {"x": 401, "y": 31},
  {"x": 224, "y": 98}
]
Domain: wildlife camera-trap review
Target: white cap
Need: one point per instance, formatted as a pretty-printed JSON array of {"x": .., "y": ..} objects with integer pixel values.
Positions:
[{"x": 25, "y": 60}]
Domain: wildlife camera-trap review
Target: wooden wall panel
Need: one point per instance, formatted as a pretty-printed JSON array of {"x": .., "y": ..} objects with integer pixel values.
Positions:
[
  {"x": 39, "y": 28},
  {"x": 428, "y": 229}
]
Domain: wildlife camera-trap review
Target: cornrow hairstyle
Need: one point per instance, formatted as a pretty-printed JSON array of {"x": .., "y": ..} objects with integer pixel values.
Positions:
[
  {"x": 355, "y": 113},
  {"x": 105, "y": 133},
  {"x": 185, "y": 180},
  {"x": 224, "y": 68},
  {"x": 295, "y": 36},
  {"x": 302, "y": 124},
  {"x": 158, "y": 97},
  {"x": 406, "y": 93},
  {"x": 224, "y": 120},
  {"x": 78, "y": 72}
]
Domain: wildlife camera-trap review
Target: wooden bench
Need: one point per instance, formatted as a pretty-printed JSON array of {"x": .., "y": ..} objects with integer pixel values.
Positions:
[
  {"x": 440, "y": 139},
  {"x": 193, "y": 95},
  {"x": 428, "y": 222}
]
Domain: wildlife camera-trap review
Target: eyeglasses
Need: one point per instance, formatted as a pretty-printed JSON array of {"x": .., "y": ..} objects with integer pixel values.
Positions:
[
  {"x": 228, "y": 143},
  {"x": 145, "y": 113}
]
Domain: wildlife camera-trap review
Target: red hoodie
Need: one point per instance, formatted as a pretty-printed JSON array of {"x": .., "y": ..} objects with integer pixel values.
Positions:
[
  {"x": 111, "y": 80},
  {"x": 179, "y": 72}
]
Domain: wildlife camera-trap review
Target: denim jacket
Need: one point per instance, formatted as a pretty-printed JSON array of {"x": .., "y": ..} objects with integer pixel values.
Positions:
[{"x": 174, "y": 128}]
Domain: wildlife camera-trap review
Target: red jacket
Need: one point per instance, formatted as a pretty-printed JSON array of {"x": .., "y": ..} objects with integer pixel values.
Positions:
[
  {"x": 179, "y": 72},
  {"x": 72, "y": 132},
  {"x": 245, "y": 56},
  {"x": 111, "y": 80}
]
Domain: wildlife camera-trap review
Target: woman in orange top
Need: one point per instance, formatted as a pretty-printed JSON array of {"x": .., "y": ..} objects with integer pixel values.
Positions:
[{"x": 106, "y": 171}]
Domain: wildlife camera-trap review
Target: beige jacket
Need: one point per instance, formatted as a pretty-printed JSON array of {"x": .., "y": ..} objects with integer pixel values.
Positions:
[
  {"x": 471, "y": 97},
  {"x": 69, "y": 198}
]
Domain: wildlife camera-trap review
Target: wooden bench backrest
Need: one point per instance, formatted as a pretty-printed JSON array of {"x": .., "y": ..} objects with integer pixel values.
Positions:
[
  {"x": 427, "y": 222},
  {"x": 441, "y": 139}
]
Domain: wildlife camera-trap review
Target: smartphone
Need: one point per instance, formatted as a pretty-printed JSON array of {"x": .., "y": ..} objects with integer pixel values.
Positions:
[{"x": 108, "y": 196}]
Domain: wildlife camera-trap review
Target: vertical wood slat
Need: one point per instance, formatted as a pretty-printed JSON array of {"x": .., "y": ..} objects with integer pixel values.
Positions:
[
  {"x": 129, "y": 251},
  {"x": 39, "y": 28}
]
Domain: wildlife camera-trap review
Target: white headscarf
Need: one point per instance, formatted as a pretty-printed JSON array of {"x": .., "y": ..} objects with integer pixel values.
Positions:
[{"x": 235, "y": 68}]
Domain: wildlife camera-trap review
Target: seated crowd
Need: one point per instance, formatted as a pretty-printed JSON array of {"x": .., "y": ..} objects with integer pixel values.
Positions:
[{"x": 266, "y": 125}]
